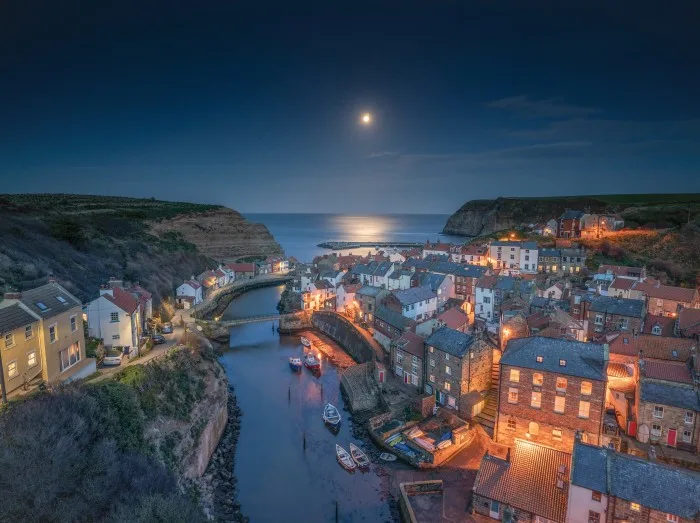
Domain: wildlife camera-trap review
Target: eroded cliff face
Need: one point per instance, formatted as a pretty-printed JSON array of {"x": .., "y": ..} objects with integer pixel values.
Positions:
[{"x": 222, "y": 234}]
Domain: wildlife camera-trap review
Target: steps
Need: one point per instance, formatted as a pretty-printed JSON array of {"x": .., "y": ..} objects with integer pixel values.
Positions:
[{"x": 487, "y": 417}]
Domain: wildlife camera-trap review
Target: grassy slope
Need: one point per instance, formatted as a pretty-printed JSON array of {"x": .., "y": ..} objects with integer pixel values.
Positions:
[{"x": 83, "y": 240}]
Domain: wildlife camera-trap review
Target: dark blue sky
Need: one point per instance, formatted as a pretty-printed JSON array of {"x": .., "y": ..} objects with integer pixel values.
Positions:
[{"x": 257, "y": 108}]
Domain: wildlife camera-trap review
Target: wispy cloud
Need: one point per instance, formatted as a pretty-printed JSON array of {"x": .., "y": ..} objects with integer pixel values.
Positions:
[
  {"x": 383, "y": 154},
  {"x": 548, "y": 108}
]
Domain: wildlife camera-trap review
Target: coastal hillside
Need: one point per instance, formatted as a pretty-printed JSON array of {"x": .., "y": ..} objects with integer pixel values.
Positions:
[
  {"x": 479, "y": 217},
  {"x": 83, "y": 240}
]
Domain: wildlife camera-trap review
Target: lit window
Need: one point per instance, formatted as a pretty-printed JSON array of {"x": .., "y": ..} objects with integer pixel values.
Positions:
[
  {"x": 540, "y": 359},
  {"x": 114, "y": 316},
  {"x": 28, "y": 332},
  {"x": 584, "y": 408},
  {"x": 562, "y": 363},
  {"x": 593, "y": 516},
  {"x": 53, "y": 333},
  {"x": 9, "y": 340},
  {"x": 561, "y": 384},
  {"x": 672, "y": 518},
  {"x": 12, "y": 369},
  {"x": 537, "y": 379},
  {"x": 596, "y": 496},
  {"x": 511, "y": 424},
  {"x": 536, "y": 400},
  {"x": 514, "y": 375},
  {"x": 448, "y": 370},
  {"x": 512, "y": 395},
  {"x": 431, "y": 349},
  {"x": 586, "y": 388},
  {"x": 556, "y": 435},
  {"x": 31, "y": 359},
  {"x": 658, "y": 411},
  {"x": 447, "y": 386},
  {"x": 559, "y": 404},
  {"x": 635, "y": 506},
  {"x": 533, "y": 429},
  {"x": 655, "y": 431}
]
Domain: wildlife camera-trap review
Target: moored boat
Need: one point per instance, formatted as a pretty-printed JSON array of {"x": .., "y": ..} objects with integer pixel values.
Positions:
[
  {"x": 358, "y": 456},
  {"x": 305, "y": 341},
  {"x": 331, "y": 415},
  {"x": 344, "y": 458},
  {"x": 295, "y": 364},
  {"x": 311, "y": 363},
  {"x": 387, "y": 457}
]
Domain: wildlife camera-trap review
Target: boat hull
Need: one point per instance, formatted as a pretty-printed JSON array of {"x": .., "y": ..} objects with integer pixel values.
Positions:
[{"x": 295, "y": 367}]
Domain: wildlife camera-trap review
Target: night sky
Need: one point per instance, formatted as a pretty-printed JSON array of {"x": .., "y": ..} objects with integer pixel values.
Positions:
[{"x": 258, "y": 108}]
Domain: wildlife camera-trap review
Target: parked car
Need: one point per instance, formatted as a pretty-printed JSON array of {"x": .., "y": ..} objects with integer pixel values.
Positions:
[
  {"x": 113, "y": 357},
  {"x": 158, "y": 339},
  {"x": 167, "y": 328}
]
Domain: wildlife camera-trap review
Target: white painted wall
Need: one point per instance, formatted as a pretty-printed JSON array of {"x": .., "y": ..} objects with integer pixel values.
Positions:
[
  {"x": 100, "y": 324},
  {"x": 187, "y": 290},
  {"x": 482, "y": 309},
  {"x": 580, "y": 503},
  {"x": 528, "y": 260},
  {"x": 421, "y": 310}
]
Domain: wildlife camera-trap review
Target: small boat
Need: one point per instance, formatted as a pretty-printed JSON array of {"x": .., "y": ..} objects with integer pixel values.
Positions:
[
  {"x": 305, "y": 341},
  {"x": 295, "y": 364},
  {"x": 311, "y": 363},
  {"x": 387, "y": 457},
  {"x": 344, "y": 458},
  {"x": 358, "y": 456},
  {"x": 331, "y": 416}
]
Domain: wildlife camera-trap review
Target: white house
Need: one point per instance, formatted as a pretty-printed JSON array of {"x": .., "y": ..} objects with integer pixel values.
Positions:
[
  {"x": 436, "y": 249},
  {"x": 514, "y": 255},
  {"x": 114, "y": 318},
  {"x": 345, "y": 296},
  {"x": 417, "y": 303},
  {"x": 395, "y": 256},
  {"x": 485, "y": 293},
  {"x": 375, "y": 274},
  {"x": 441, "y": 284},
  {"x": 334, "y": 277},
  {"x": 400, "y": 279},
  {"x": 189, "y": 293}
]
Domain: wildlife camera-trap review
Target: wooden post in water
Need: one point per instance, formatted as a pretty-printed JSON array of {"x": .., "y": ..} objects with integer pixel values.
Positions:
[
  {"x": 336, "y": 511},
  {"x": 289, "y": 394},
  {"x": 304, "y": 441}
]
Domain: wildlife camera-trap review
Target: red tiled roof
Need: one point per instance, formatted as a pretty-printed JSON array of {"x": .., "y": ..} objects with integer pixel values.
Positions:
[
  {"x": 537, "y": 320},
  {"x": 193, "y": 283},
  {"x": 487, "y": 282},
  {"x": 666, "y": 323},
  {"x": 241, "y": 267},
  {"x": 666, "y": 292},
  {"x": 667, "y": 371},
  {"x": 622, "y": 284},
  {"x": 437, "y": 246},
  {"x": 689, "y": 319},
  {"x": 220, "y": 273},
  {"x": 350, "y": 288},
  {"x": 620, "y": 270},
  {"x": 412, "y": 343},
  {"x": 474, "y": 250},
  {"x": 123, "y": 300},
  {"x": 656, "y": 347},
  {"x": 618, "y": 370},
  {"x": 453, "y": 318},
  {"x": 529, "y": 480}
]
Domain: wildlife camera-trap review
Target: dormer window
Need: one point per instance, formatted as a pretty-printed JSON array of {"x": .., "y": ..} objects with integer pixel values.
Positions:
[
  {"x": 656, "y": 330},
  {"x": 540, "y": 359},
  {"x": 562, "y": 363}
]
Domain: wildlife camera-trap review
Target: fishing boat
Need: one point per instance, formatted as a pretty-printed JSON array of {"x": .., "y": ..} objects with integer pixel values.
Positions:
[
  {"x": 358, "y": 456},
  {"x": 311, "y": 363},
  {"x": 295, "y": 364},
  {"x": 305, "y": 341},
  {"x": 387, "y": 457},
  {"x": 331, "y": 416},
  {"x": 344, "y": 458}
]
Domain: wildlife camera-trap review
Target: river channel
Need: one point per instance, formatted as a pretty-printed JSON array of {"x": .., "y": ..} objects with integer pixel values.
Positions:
[{"x": 280, "y": 479}]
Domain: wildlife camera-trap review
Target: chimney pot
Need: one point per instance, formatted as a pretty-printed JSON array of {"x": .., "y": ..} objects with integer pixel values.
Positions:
[{"x": 13, "y": 295}]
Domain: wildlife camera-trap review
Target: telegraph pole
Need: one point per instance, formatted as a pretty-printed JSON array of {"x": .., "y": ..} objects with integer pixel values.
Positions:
[{"x": 2, "y": 381}]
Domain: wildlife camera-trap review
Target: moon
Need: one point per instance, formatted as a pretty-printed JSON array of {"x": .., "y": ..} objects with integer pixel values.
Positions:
[{"x": 366, "y": 119}]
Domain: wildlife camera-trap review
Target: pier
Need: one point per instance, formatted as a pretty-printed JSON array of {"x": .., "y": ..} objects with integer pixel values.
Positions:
[{"x": 340, "y": 245}]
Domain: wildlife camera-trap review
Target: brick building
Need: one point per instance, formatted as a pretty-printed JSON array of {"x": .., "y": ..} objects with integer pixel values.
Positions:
[
  {"x": 688, "y": 324},
  {"x": 389, "y": 325},
  {"x": 407, "y": 356},
  {"x": 573, "y": 260},
  {"x": 664, "y": 300},
  {"x": 465, "y": 282},
  {"x": 667, "y": 405},
  {"x": 549, "y": 390},
  {"x": 368, "y": 298},
  {"x": 456, "y": 364},
  {"x": 607, "y": 314},
  {"x": 570, "y": 224},
  {"x": 549, "y": 260},
  {"x": 530, "y": 484},
  {"x": 608, "y": 486}
]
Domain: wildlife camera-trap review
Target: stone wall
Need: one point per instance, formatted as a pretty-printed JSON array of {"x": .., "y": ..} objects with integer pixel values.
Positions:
[
  {"x": 406, "y": 490},
  {"x": 208, "y": 441},
  {"x": 620, "y": 510},
  {"x": 425, "y": 405},
  {"x": 360, "y": 387},
  {"x": 673, "y": 418},
  {"x": 345, "y": 334}
]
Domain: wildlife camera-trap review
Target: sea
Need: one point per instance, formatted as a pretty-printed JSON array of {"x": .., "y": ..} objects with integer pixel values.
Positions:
[{"x": 300, "y": 234}]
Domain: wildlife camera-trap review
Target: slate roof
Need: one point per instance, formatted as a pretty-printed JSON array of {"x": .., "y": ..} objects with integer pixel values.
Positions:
[
  {"x": 445, "y": 267},
  {"x": 522, "y": 245},
  {"x": 505, "y": 283},
  {"x": 397, "y": 274},
  {"x": 528, "y": 481},
  {"x": 656, "y": 347},
  {"x": 669, "y": 394},
  {"x": 414, "y": 295},
  {"x": 471, "y": 271},
  {"x": 638, "y": 480},
  {"x": 49, "y": 295},
  {"x": 571, "y": 215},
  {"x": 368, "y": 290},
  {"x": 431, "y": 280},
  {"x": 556, "y": 253},
  {"x": 13, "y": 317},
  {"x": 393, "y": 318},
  {"x": 585, "y": 360},
  {"x": 417, "y": 263},
  {"x": 675, "y": 371},
  {"x": 451, "y": 341},
  {"x": 619, "y": 306}
]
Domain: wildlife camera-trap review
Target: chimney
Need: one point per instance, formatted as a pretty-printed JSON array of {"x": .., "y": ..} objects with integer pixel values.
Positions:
[
  {"x": 606, "y": 352},
  {"x": 508, "y": 455},
  {"x": 52, "y": 279},
  {"x": 104, "y": 289},
  {"x": 13, "y": 295},
  {"x": 114, "y": 282}
]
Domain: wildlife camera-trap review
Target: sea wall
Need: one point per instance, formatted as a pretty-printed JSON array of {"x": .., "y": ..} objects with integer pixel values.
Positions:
[
  {"x": 360, "y": 387},
  {"x": 343, "y": 332},
  {"x": 218, "y": 303}
]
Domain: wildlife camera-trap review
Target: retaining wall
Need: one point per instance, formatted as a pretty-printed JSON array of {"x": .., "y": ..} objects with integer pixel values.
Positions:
[
  {"x": 345, "y": 334},
  {"x": 416, "y": 488},
  {"x": 360, "y": 387}
]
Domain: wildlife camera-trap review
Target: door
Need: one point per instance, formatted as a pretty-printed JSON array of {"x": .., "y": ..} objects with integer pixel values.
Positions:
[
  {"x": 671, "y": 438},
  {"x": 406, "y": 377},
  {"x": 494, "y": 509},
  {"x": 381, "y": 376}
]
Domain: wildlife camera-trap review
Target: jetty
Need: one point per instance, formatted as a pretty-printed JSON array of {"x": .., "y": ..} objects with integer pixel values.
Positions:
[{"x": 340, "y": 245}]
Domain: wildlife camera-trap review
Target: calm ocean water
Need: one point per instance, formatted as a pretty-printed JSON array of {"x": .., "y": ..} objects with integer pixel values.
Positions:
[{"x": 299, "y": 234}]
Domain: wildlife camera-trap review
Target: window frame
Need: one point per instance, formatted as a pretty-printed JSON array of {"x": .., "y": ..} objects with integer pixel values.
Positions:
[
  {"x": 114, "y": 317},
  {"x": 537, "y": 382},
  {"x": 589, "y": 388},
  {"x": 536, "y": 400},
  {"x": 36, "y": 360},
  {"x": 561, "y": 399},
  {"x": 53, "y": 326},
  {"x": 11, "y": 336},
  {"x": 514, "y": 373},
  {"x": 560, "y": 380},
  {"x": 74, "y": 323},
  {"x": 16, "y": 371},
  {"x": 513, "y": 392},
  {"x": 581, "y": 403},
  {"x": 31, "y": 332},
  {"x": 658, "y": 408}
]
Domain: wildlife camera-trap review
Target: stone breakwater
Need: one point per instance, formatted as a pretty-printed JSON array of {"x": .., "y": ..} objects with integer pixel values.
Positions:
[{"x": 217, "y": 487}]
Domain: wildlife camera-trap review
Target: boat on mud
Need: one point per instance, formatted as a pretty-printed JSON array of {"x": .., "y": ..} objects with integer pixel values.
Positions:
[
  {"x": 295, "y": 364},
  {"x": 344, "y": 458},
  {"x": 305, "y": 341},
  {"x": 311, "y": 363},
  {"x": 358, "y": 456},
  {"x": 331, "y": 416}
]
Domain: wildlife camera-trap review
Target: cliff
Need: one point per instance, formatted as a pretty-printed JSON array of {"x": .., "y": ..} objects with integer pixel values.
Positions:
[
  {"x": 480, "y": 217},
  {"x": 83, "y": 240}
]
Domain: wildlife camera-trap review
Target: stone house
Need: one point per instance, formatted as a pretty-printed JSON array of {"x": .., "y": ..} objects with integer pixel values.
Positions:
[
  {"x": 609, "y": 486},
  {"x": 607, "y": 314},
  {"x": 549, "y": 260},
  {"x": 620, "y": 287},
  {"x": 573, "y": 260},
  {"x": 407, "y": 355},
  {"x": 368, "y": 298},
  {"x": 42, "y": 336},
  {"x": 550, "y": 389},
  {"x": 664, "y": 300},
  {"x": 417, "y": 303},
  {"x": 607, "y": 273},
  {"x": 659, "y": 325},
  {"x": 667, "y": 405},
  {"x": 389, "y": 325},
  {"x": 471, "y": 254},
  {"x": 688, "y": 324},
  {"x": 456, "y": 364},
  {"x": 531, "y": 484},
  {"x": 626, "y": 348}
]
